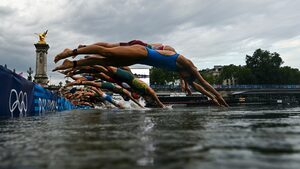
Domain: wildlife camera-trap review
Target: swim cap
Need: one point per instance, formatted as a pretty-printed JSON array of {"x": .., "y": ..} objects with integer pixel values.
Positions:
[
  {"x": 73, "y": 90},
  {"x": 125, "y": 85}
]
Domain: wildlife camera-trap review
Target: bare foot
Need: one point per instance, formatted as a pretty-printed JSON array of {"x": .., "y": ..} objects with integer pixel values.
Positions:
[
  {"x": 66, "y": 53},
  {"x": 66, "y": 64}
]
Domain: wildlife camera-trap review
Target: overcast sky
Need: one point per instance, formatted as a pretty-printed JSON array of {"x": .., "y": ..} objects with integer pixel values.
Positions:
[{"x": 209, "y": 32}]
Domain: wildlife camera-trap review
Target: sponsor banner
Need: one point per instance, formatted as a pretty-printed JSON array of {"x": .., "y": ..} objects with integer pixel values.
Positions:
[{"x": 20, "y": 97}]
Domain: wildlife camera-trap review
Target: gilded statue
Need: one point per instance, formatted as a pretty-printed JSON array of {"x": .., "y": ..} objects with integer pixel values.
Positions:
[{"x": 42, "y": 37}]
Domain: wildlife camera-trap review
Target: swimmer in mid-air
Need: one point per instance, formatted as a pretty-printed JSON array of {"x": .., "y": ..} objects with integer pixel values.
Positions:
[
  {"x": 141, "y": 54},
  {"x": 123, "y": 78}
]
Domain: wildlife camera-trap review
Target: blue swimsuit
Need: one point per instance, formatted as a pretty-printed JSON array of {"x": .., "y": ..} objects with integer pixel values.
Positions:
[{"x": 154, "y": 58}]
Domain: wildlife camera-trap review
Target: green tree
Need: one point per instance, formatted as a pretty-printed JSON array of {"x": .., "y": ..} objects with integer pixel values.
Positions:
[
  {"x": 288, "y": 75},
  {"x": 241, "y": 74},
  {"x": 264, "y": 66},
  {"x": 161, "y": 77},
  {"x": 228, "y": 72},
  {"x": 245, "y": 76},
  {"x": 208, "y": 77}
]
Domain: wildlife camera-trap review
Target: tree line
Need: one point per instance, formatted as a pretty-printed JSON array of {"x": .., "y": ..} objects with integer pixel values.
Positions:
[{"x": 263, "y": 67}]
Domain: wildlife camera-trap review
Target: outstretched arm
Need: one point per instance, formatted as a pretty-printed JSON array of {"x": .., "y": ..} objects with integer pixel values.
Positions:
[
  {"x": 78, "y": 79},
  {"x": 108, "y": 98},
  {"x": 152, "y": 93},
  {"x": 127, "y": 93},
  {"x": 220, "y": 99},
  {"x": 184, "y": 85},
  {"x": 88, "y": 83},
  {"x": 199, "y": 88},
  {"x": 192, "y": 70}
]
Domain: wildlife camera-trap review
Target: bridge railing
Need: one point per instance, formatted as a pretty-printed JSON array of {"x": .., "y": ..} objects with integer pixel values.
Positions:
[{"x": 269, "y": 86}]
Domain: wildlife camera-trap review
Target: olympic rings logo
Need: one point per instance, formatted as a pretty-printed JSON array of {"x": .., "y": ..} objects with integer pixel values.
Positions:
[{"x": 20, "y": 101}]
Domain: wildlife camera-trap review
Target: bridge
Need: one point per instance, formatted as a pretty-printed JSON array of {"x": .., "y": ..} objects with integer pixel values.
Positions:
[{"x": 233, "y": 94}]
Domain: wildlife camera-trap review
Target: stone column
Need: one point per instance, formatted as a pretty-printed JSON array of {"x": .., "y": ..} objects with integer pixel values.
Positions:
[{"x": 41, "y": 63}]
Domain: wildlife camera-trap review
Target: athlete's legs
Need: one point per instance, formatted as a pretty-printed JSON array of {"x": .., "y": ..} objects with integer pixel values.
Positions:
[
  {"x": 93, "y": 60},
  {"x": 104, "y": 44},
  {"x": 83, "y": 62},
  {"x": 124, "y": 53}
]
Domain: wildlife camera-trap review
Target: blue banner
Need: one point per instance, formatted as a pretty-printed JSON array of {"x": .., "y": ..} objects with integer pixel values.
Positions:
[
  {"x": 20, "y": 97},
  {"x": 46, "y": 101},
  {"x": 16, "y": 94}
]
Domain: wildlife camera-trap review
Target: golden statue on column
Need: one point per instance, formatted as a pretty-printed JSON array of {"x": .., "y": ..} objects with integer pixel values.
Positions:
[
  {"x": 42, "y": 37},
  {"x": 41, "y": 59}
]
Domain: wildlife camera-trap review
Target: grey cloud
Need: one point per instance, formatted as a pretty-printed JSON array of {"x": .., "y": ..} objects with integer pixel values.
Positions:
[
  {"x": 5, "y": 11},
  {"x": 117, "y": 21},
  {"x": 206, "y": 31}
]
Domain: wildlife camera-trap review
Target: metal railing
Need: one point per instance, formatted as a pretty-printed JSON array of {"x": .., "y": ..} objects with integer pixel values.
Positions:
[
  {"x": 268, "y": 86},
  {"x": 271, "y": 86}
]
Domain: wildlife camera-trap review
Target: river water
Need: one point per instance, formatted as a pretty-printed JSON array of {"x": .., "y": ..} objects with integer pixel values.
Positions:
[{"x": 182, "y": 137}]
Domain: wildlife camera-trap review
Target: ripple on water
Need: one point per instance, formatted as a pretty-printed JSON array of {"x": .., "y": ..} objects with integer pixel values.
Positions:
[{"x": 193, "y": 137}]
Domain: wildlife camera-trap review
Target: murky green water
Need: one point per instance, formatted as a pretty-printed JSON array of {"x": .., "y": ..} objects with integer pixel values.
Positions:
[{"x": 203, "y": 137}]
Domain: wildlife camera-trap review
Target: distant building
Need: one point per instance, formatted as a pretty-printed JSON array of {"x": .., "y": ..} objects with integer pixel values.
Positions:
[
  {"x": 231, "y": 81},
  {"x": 142, "y": 72},
  {"x": 216, "y": 71}
]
